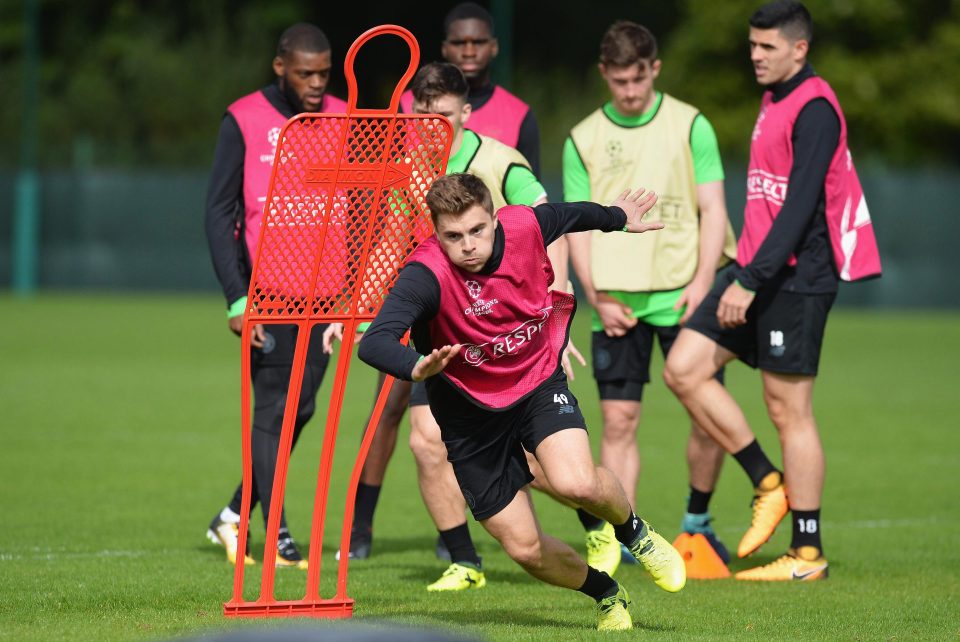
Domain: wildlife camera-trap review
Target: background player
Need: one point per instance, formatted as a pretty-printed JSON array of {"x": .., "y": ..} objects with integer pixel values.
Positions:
[
  {"x": 501, "y": 391},
  {"x": 470, "y": 43},
  {"x": 771, "y": 311},
  {"x": 235, "y": 198},
  {"x": 644, "y": 288}
]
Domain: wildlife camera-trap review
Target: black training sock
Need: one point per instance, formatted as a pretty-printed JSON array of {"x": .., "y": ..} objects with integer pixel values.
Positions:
[
  {"x": 631, "y": 530},
  {"x": 806, "y": 529},
  {"x": 699, "y": 501},
  {"x": 460, "y": 544},
  {"x": 590, "y": 522},
  {"x": 598, "y": 584},
  {"x": 755, "y": 463},
  {"x": 365, "y": 505}
]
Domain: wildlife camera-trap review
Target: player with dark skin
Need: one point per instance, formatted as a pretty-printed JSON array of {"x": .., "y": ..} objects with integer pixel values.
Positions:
[
  {"x": 470, "y": 46},
  {"x": 302, "y": 77},
  {"x": 246, "y": 146}
]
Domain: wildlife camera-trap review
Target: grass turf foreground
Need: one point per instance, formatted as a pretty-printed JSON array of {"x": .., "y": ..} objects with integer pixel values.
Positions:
[{"x": 120, "y": 424}]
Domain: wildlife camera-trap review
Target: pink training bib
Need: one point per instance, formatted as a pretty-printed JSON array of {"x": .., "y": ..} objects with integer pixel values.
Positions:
[
  {"x": 771, "y": 158},
  {"x": 511, "y": 328},
  {"x": 260, "y": 124}
]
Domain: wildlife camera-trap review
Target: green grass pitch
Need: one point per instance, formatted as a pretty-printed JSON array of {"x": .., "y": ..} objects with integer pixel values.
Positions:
[{"x": 120, "y": 424}]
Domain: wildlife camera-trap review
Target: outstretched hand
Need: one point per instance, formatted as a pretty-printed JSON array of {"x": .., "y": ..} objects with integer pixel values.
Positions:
[
  {"x": 636, "y": 205},
  {"x": 435, "y": 362}
]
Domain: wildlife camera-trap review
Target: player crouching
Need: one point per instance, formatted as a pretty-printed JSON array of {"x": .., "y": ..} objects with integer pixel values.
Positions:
[{"x": 489, "y": 337}]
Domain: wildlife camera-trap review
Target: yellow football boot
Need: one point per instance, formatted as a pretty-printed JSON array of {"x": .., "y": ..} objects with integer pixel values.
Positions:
[
  {"x": 805, "y": 564},
  {"x": 225, "y": 534},
  {"x": 612, "y": 613},
  {"x": 459, "y": 577},
  {"x": 660, "y": 559},
  {"x": 769, "y": 507},
  {"x": 603, "y": 549}
]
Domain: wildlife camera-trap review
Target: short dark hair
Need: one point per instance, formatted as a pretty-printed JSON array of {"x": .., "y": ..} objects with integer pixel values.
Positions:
[
  {"x": 439, "y": 79},
  {"x": 303, "y": 37},
  {"x": 626, "y": 43},
  {"x": 789, "y": 16},
  {"x": 467, "y": 11},
  {"x": 455, "y": 194}
]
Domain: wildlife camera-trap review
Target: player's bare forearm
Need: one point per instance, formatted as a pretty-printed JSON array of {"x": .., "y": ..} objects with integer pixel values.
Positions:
[
  {"x": 580, "y": 258},
  {"x": 713, "y": 229}
]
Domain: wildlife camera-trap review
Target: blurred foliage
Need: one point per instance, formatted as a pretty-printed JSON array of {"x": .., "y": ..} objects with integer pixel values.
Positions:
[
  {"x": 130, "y": 83},
  {"x": 894, "y": 66}
]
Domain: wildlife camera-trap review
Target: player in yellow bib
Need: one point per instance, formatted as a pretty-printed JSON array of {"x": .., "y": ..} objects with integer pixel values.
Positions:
[{"x": 643, "y": 288}]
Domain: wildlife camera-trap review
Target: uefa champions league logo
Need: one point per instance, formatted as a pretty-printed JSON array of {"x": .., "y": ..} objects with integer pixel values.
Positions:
[
  {"x": 473, "y": 288},
  {"x": 615, "y": 159},
  {"x": 479, "y": 307},
  {"x": 273, "y": 136}
]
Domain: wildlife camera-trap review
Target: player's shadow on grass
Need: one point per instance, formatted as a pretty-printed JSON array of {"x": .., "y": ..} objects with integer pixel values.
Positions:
[
  {"x": 389, "y": 545},
  {"x": 213, "y": 551},
  {"x": 479, "y": 616},
  {"x": 381, "y": 546},
  {"x": 429, "y": 572}
]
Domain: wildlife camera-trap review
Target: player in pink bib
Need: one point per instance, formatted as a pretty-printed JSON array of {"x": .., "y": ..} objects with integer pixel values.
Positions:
[
  {"x": 806, "y": 227},
  {"x": 489, "y": 336},
  {"x": 236, "y": 195},
  {"x": 470, "y": 43}
]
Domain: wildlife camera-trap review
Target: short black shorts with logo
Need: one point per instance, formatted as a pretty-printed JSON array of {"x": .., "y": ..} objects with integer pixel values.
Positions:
[
  {"x": 783, "y": 332},
  {"x": 486, "y": 447}
]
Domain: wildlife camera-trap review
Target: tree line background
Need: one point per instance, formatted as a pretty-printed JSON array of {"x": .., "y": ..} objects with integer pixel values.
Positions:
[{"x": 130, "y": 84}]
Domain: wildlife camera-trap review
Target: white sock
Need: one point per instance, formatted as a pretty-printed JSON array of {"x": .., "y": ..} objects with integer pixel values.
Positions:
[{"x": 229, "y": 516}]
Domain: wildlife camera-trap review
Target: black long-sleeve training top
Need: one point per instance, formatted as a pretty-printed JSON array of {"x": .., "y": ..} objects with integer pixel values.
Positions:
[
  {"x": 224, "y": 206},
  {"x": 415, "y": 298},
  {"x": 801, "y": 226}
]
